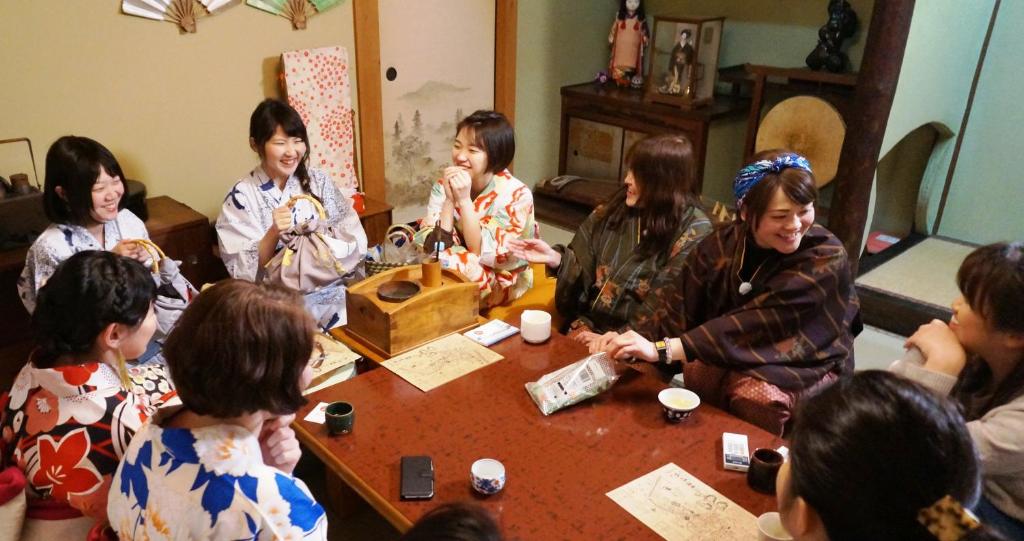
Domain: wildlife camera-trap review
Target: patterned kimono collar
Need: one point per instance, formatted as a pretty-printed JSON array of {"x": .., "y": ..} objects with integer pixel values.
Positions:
[
  {"x": 64, "y": 381},
  {"x": 268, "y": 187},
  {"x": 73, "y": 232},
  {"x": 223, "y": 449}
]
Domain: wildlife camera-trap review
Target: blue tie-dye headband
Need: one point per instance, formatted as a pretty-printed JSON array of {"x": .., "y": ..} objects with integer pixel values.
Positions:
[{"x": 749, "y": 176}]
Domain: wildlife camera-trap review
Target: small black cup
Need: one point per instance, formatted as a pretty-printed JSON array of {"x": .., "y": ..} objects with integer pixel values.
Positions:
[
  {"x": 340, "y": 417},
  {"x": 764, "y": 467}
]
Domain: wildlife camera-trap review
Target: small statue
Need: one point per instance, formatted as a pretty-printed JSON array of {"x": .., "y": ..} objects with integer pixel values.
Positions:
[
  {"x": 680, "y": 62},
  {"x": 841, "y": 25},
  {"x": 628, "y": 37}
]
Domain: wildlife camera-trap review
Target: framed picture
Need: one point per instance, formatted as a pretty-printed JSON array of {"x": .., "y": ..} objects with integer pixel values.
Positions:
[{"x": 683, "y": 61}]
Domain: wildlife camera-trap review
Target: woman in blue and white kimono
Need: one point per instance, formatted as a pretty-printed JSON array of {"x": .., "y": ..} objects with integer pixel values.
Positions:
[
  {"x": 83, "y": 197},
  {"x": 255, "y": 211}
]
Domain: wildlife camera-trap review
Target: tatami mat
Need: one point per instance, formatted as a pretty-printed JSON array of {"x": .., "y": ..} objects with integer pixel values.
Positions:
[{"x": 926, "y": 272}]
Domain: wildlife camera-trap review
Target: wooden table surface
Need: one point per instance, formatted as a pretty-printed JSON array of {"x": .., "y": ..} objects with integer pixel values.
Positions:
[{"x": 558, "y": 467}]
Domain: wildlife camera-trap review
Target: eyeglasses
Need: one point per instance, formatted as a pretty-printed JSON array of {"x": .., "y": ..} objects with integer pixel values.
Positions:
[{"x": 318, "y": 359}]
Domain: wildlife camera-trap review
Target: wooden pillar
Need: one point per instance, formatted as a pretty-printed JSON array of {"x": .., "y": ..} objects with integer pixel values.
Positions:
[
  {"x": 505, "y": 31},
  {"x": 876, "y": 87},
  {"x": 370, "y": 113}
]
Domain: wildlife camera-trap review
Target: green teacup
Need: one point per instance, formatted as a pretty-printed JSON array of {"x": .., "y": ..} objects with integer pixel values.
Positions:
[{"x": 340, "y": 417}]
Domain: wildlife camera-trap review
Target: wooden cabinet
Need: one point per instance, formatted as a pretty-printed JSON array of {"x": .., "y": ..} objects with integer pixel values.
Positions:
[
  {"x": 600, "y": 122},
  {"x": 599, "y": 125},
  {"x": 376, "y": 220}
]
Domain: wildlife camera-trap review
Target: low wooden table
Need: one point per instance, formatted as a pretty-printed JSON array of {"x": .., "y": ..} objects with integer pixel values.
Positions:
[{"x": 559, "y": 467}]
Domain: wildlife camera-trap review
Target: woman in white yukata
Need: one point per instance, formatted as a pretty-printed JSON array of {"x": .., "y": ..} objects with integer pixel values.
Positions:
[
  {"x": 83, "y": 197},
  {"x": 255, "y": 211}
]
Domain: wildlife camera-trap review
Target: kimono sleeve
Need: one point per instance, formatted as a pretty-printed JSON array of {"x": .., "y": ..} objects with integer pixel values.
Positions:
[
  {"x": 239, "y": 232},
  {"x": 502, "y": 224},
  {"x": 434, "y": 204},
  {"x": 576, "y": 273},
  {"x": 796, "y": 316},
  {"x": 41, "y": 260},
  {"x": 652, "y": 313},
  {"x": 999, "y": 440},
  {"x": 304, "y": 511}
]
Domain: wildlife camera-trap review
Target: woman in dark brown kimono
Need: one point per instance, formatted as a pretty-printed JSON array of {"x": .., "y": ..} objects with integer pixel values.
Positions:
[{"x": 766, "y": 309}]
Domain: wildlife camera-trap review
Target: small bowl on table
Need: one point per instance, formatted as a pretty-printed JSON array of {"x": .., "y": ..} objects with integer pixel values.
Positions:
[{"x": 678, "y": 403}]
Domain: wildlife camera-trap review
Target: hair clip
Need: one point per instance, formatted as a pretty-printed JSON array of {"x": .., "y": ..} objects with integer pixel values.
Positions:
[{"x": 947, "y": 519}]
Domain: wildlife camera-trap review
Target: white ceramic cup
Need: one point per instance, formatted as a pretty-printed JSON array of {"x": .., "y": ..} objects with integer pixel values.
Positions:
[
  {"x": 488, "y": 476},
  {"x": 770, "y": 528},
  {"x": 535, "y": 326}
]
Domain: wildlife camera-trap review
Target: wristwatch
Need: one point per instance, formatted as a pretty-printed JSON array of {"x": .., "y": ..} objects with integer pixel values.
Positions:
[{"x": 662, "y": 347}]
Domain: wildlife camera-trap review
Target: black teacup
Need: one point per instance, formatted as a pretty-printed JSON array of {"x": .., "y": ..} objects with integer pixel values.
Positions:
[
  {"x": 340, "y": 417},
  {"x": 764, "y": 467}
]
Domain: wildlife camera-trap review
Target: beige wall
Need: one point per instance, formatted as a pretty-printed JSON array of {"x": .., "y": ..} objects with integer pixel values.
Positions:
[
  {"x": 559, "y": 43},
  {"x": 173, "y": 108}
]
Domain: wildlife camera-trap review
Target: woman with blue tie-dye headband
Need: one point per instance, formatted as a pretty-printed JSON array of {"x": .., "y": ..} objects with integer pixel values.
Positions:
[{"x": 766, "y": 310}]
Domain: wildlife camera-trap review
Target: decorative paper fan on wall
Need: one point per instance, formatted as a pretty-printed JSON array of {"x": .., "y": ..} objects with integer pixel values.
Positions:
[
  {"x": 296, "y": 11},
  {"x": 181, "y": 12}
]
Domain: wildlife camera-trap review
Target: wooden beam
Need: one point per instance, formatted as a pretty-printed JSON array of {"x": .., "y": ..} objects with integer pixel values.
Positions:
[
  {"x": 371, "y": 115},
  {"x": 505, "y": 25},
  {"x": 873, "y": 97}
]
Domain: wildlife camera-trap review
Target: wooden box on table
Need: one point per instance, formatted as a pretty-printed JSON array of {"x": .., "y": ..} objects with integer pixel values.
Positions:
[{"x": 389, "y": 328}]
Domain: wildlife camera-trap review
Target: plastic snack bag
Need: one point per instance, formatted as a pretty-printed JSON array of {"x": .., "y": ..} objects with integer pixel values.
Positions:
[{"x": 573, "y": 383}]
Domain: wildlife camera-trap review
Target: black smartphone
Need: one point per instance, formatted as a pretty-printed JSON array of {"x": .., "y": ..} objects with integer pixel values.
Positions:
[{"x": 417, "y": 478}]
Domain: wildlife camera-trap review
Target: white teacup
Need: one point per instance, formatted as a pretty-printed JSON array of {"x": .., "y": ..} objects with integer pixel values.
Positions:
[
  {"x": 535, "y": 326},
  {"x": 488, "y": 476},
  {"x": 770, "y": 528},
  {"x": 678, "y": 403}
]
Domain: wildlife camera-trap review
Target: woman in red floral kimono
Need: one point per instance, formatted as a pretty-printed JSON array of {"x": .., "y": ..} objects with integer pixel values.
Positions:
[
  {"x": 75, "y": 406},
  {"x": 477, "y": 208},
  {"x": 766, "y": 309}
]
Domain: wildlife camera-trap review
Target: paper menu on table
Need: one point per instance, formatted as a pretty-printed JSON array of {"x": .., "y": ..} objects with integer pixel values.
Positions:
[
  {"x": 445, "y": 359},
  {"x": 678, "y": 507}
]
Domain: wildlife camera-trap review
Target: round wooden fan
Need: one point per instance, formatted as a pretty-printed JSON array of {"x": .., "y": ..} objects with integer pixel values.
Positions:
[{"x": 809, "y": 126}]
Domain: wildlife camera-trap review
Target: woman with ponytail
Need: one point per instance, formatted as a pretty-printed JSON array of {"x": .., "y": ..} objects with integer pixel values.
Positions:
[
  {"x": 73, "y": 408},
  {"x": 256, "y": 212}
]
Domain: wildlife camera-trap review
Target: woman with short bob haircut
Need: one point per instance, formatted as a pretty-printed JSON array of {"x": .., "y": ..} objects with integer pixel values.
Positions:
[
  {"x": 879, "y": 457},
  {"x": 255, "y": 212},
  {"x": 74, "y": 407},
  {"x": 83, "y": 196},
  {"x": 766, "y": 309},
  {"x": 220, "y": 467},
  {"x": 612, "y": 273},
  {"x": 477, "y": 208}
]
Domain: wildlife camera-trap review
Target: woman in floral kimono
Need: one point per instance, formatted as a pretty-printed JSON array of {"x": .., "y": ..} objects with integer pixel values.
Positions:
[
  {"x": 83, "y": 197},
  {"x": 74, "y": 407},
  {"x": 255, "y": 211},
  {"x": 611, "y": 275},
  {"x": 478, "y": 207},
  {"x": 221, "y": 466},
  {"x": 766, "y": 309}
]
